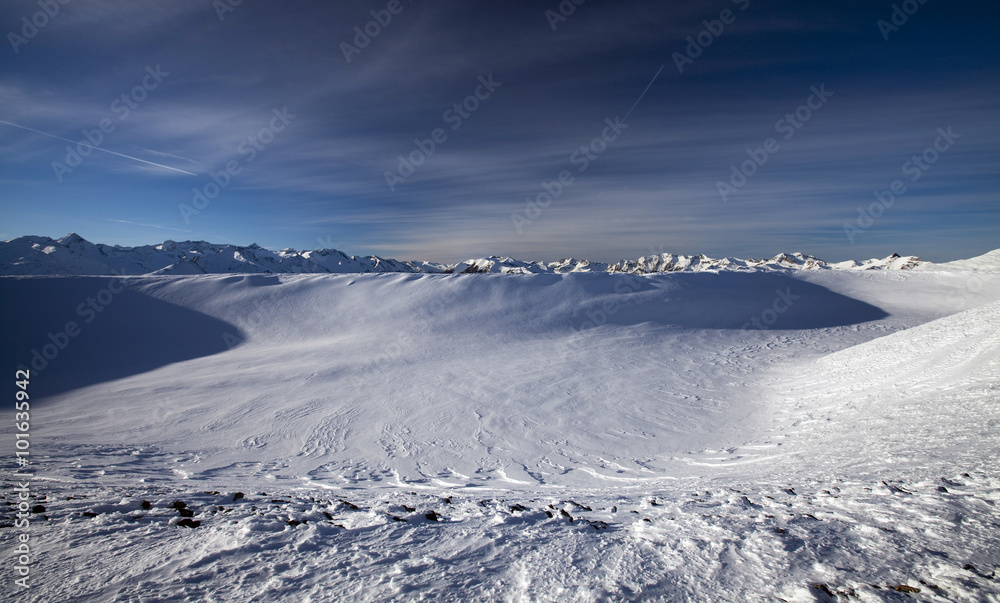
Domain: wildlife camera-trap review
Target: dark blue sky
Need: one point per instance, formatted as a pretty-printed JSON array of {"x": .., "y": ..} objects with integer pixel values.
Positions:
[{"x": 319, "y": 179}]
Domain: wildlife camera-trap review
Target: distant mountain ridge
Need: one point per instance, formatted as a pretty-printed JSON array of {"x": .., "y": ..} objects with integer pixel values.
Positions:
[{"x": 74, "y": 255}]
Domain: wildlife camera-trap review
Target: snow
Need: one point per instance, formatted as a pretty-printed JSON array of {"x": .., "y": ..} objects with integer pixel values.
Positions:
[
  {"x": 988, "y": 262},
  {"x": 573, "y": 436}
]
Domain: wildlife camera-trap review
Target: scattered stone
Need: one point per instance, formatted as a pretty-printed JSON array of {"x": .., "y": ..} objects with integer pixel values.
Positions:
[
  {"x": 237, "y": 496},
  {"x": 179, "y": 504},
  {"x": 188, "y": 523},
  {"x": 89, "y": 514},
  {"x": 518, "y": 509},
  {"x": 905, "y": 588},
  {"x": 972, "y": 568},
  {"x": 146, "y": 505},
  {"x": 38, "y": 509},
  {"x": 185, "y": 512},
  {"x": 895, "y": 488},
  {"x": 409, "y": 509},
  {"x": 394, "y": 518},
  {"x": 432, "y": 516},
  {"x": 823, "y": 588}
]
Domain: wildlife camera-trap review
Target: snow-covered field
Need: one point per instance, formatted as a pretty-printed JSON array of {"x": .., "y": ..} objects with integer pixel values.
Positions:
[{"x": 713, "y": 436}]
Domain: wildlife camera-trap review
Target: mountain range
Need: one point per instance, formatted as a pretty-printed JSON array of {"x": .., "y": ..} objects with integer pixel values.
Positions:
[{"x": 74, "y": 255}]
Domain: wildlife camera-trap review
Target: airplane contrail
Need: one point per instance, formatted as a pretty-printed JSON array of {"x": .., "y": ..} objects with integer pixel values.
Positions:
[
  {"x": 166, "y": 167},
  {"x": 641, "y": 96},
  {"x": 146, "y": 225}
]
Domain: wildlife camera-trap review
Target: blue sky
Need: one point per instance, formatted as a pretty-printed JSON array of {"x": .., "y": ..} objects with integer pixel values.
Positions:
[{"x": 201, "y": 92}]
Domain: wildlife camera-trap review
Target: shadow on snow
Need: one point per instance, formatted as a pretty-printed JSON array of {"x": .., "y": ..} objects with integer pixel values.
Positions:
[{"x": 131, "y": 333}]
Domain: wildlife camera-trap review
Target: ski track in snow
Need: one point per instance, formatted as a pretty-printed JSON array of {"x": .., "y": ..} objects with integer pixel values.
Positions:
[{"x": 458, "y": 440}]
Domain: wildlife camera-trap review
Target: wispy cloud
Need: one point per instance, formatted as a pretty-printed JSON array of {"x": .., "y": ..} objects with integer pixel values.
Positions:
[
  {"x": 159, "y": 165},
  {"x": 323, "y": 176}
]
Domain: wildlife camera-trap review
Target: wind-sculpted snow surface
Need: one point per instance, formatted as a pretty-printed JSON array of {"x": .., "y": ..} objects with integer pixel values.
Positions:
[{"x": 718, "y": 436}]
